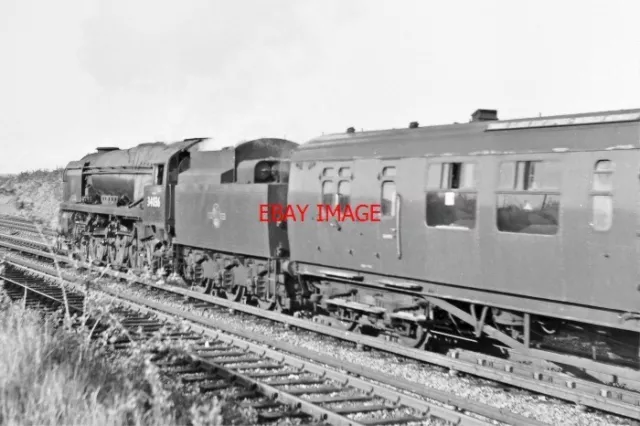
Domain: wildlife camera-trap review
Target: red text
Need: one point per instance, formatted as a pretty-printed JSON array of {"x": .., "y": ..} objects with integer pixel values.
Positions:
[
  {"x": 359, "y": 213},
  {"x": 324, "y": 213},
  {"x": 280, "y": 213}
]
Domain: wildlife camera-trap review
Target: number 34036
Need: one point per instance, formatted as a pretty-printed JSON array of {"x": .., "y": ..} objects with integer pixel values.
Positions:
[{"x": 153, "y": 201}]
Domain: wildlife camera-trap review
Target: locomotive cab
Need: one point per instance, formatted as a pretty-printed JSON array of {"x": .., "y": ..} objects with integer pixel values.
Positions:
[{"x": 159, "y": 209}]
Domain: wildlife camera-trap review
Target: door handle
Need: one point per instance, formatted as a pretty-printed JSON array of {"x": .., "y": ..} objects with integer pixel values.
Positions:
[{"x": 397, "y": 228}]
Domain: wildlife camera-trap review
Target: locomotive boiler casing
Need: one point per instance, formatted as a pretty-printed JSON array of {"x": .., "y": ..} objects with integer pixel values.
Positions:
[{"x": 125, "y": 173}]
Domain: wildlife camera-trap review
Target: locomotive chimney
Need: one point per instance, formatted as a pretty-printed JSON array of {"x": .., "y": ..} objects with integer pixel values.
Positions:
[{"x": 484, "y": 115}]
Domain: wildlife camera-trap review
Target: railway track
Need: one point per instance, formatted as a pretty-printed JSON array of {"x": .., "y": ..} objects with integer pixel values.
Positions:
[
  {"x": 24, "y": 225},
  {"x": 276, "y": 384},
  {"x": 615, "y": 392}
]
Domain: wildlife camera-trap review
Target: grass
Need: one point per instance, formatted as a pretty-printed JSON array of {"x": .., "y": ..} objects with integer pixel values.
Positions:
[
  {"x": 54, "y": 175},
  {"x": 55, "y": 375}
]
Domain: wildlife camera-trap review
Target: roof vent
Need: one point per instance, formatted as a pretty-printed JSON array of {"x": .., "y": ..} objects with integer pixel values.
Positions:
[
  {"x": 107, "y": 148},
  {"x": 484, "y": 115},
  {"x": 413, "y": 125},
  {"x": 351, "y": 130}
]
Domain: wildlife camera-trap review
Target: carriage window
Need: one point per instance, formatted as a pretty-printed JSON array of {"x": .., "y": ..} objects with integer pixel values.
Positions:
[
  {"x": 345, "y": 172},
  {"x": 389, "y": 172},
  {"x": 602, "y": 206},
  {"x": 521, "y": 211},
  {"x": 528, "y": 213},
  {"x": 603, "y": 176},
  {"x": 451, "y": 176},
  {"x": 537, "y": 175},
  {"x": 328, "y": 172},
  {"x": 453, "y": 204},
  {"x": 344, "y": 193},
  {"x": 602, "y": 196},
  {"x": 328, "y": 193},
  {"x": 388, "y": 199},
  {"x": 467, "y": 177}
]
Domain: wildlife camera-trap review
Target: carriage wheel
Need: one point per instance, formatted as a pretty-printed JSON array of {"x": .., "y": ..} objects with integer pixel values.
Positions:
[
  {"x": 415, "y": 338},
  {"x": 267, "y": 305}
]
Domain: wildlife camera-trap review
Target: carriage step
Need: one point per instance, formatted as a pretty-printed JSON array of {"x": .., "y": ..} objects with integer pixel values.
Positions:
[{"x": 407, "y": 316}]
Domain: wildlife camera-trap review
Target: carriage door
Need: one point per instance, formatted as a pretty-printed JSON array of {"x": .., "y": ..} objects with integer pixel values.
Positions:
[
  {"x": 389, "y": 227},
  {"x": 611, "y": 244}
]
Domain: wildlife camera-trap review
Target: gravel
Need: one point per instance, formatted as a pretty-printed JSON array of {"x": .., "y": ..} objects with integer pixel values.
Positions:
[{"x": 538, "y": 407}]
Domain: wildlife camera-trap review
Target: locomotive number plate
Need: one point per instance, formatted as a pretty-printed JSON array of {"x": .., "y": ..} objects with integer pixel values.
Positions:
[{"x": 153, "y": 201}]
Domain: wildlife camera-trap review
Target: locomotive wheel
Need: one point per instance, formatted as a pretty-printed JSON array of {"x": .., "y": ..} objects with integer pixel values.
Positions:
[
  {"x": 203, "y": 285},
  {"x": 415, "y": 339},
  {"x": 111, "y": 255},
  {"x": 122, "y": 256},
  {"x": 237, "y": 293},
  {"x": 89, "y": 254},
  {"x": 101, "y": 253}
]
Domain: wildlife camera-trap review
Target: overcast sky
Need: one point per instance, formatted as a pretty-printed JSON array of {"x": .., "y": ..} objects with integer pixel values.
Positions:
[{"x": 75, "y": 75}]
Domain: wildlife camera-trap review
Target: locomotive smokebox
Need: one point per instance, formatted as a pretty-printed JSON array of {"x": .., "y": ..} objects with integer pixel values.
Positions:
[{"x": 120, "y": 185}]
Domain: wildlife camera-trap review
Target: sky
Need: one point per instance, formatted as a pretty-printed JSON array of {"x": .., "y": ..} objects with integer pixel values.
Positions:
[{"x": 79, "y": 74}]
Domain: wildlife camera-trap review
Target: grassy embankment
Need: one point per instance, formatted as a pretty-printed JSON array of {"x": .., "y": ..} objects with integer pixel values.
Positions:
[
  {"x": 35, "y": 194},
  {"x": 53, "y": 373}
]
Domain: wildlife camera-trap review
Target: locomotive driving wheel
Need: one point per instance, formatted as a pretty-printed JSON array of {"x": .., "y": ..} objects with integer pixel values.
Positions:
[
  {"x": 202, "y": 285},
  {"x": 111, "y": 254},
  {"x": 92, "y": 251},
  {"x": 101, "y": 252},
  {"x": 237, "y": 293}
]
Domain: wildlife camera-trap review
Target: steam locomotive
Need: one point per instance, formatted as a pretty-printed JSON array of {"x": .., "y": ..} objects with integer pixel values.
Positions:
[{"x": 510, "y": 230}]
